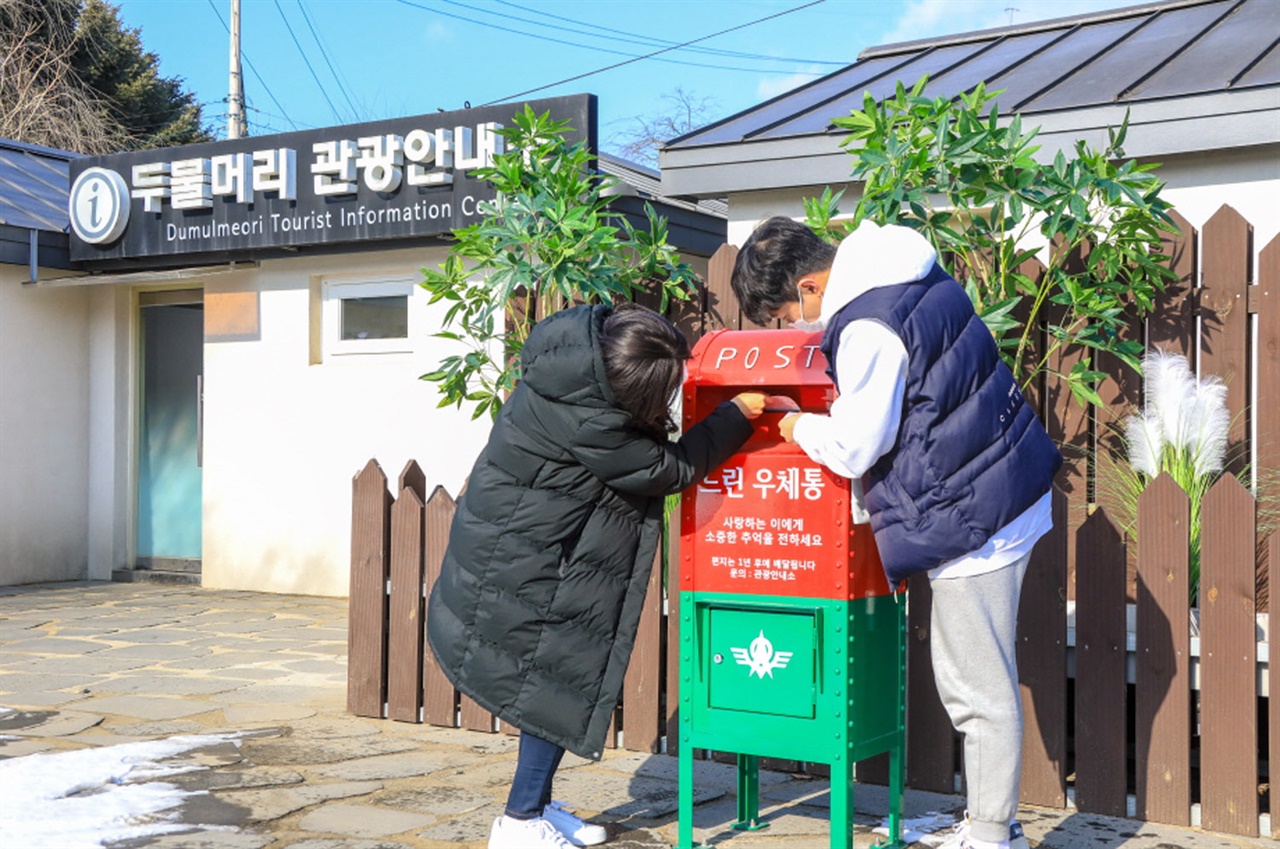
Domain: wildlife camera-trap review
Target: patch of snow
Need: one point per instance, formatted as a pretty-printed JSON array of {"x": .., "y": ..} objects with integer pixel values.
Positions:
[
  {"x": 930, "y": 829},
  {"x": 4, "y": 710},
  {"x": 86, "y": 798}
]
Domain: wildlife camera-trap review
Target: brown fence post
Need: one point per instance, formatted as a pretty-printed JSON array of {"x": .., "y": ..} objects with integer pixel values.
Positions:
[
  {"x": 1101, "y": 691},
  {"x": 1162, "y": 685},
  {"x": 439, "y": 698},
  {"x": 1273, "y": 699},
  {"x": 671, "y": 710},
  {"x": 405, "y": 638},
  {"x": 641, "y": 687},
  {"x": 722, "y": 308},
  {"x": 1172, "y": 324},
  {"x": 1224, "y": 331},
  {"x": 1228, "y": 664},
  {"x": 367, "y": 602},
  {"x": 1042, "y": 665},
  {"x": 1267, "y": 297}
]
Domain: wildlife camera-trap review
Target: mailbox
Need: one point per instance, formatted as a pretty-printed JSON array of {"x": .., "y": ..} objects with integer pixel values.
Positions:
[{"x": 792, "y": 643}]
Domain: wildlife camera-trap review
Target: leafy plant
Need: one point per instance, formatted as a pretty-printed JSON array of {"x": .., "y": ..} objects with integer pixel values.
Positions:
[
  {"x": 952, "y": 170},
  {"x": 548, "y": 239}
]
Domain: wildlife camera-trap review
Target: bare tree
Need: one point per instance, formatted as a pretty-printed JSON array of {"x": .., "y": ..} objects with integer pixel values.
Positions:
[
  {"x": 643, "y": 135},
  {"x": 42, "y": 98},
  {"x": 72, "y": 75}
]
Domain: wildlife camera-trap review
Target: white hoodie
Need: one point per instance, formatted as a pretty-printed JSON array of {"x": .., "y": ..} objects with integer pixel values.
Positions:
[{"x": 871, "y": 361}]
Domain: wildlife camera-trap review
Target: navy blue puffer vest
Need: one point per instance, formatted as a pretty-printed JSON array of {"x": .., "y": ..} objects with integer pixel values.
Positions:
[{"x": 971, "y": 455}]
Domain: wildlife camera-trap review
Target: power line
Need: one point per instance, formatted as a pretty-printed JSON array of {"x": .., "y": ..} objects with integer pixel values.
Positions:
[
  {"x": 307, "y": 62},
  {"x": 261, "y": 81},
  {"x": 355, "y": 113},
  {"x": 579, "y": 45},
  {"x": 652, "y": 41},
  {"x": 655, "y": 53}
]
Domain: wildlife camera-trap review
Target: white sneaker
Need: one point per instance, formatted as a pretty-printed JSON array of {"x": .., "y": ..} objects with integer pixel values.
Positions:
[
  {"x": 508, "y": 833},
  {"x": 576, "y": 831},
  {"x": 961, "y": 839}
]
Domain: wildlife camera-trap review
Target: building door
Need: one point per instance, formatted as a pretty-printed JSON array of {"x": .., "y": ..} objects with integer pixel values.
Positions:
[{"x": 169, "y": 450}]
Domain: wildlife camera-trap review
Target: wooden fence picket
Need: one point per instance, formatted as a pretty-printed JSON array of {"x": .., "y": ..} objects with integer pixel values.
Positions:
[
  {"x": 439, "y": 698},
  {"x": 1224, "y": 320},
  {"x": 1101, "y": 692},
  {"x": 641, "y": 696},
  {"x": 1042, "y": 665},
  {"x": 1172, "y": 324},
  {"x": 1265, "y": 297},
  {"x": 722, "y": 305},
  {"x": 1162, "y": 687},
  {"x": 370, "y": 564},
  {"x": 1228, "y": 663},
  {"x": 404, "y": 640}
]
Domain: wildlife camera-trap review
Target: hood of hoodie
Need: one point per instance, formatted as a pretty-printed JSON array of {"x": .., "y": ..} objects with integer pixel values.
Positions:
[
  {"x": 871, "y": 257},
  {"x": 562, "y": 358}
]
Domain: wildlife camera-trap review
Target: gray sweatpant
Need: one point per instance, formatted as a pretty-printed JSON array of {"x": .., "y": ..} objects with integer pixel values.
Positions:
[{"x": 974, "y": 644}]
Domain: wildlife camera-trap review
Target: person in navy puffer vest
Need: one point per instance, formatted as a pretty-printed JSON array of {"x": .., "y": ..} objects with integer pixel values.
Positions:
[{"x": 955, "y": 467}]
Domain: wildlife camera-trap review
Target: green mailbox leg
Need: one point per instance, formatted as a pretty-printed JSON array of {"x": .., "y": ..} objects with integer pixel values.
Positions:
[
  {"x": 749, "y": 794},
  {"x": 685, "y": 826},
  {"x": 842, "y": 804},
  {"x": 894, "y": 840}
]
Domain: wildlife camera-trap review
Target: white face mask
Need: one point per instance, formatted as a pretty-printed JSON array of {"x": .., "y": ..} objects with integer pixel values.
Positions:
[{"x": 802, "y": 323}]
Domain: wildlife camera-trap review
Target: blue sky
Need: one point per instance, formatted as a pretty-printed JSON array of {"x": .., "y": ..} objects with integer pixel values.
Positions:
[{"x": 373, "y": 59}]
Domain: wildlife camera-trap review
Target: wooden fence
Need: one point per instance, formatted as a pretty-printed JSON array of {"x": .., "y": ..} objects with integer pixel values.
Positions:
[{"x": 1124, "y": 705}]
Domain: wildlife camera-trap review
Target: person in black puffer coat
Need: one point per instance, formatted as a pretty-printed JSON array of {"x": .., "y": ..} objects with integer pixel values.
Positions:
[{"x": 539, "y": 597}]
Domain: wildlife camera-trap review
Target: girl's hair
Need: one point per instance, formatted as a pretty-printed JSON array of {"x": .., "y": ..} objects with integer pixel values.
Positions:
[{"x": 644, "y": 357}]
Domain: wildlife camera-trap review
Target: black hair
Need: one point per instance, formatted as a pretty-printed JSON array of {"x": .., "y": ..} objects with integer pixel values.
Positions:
[
  {"x": 644, "y": 357},
  {"x": 776, "y": 255}
]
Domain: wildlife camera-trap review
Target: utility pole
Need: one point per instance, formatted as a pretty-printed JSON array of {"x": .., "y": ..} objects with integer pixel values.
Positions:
[{"x": 236, "y": 125}]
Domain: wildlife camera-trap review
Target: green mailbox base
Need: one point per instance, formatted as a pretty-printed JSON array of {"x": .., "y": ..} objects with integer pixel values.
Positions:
[{"x": 815, "y": 680}]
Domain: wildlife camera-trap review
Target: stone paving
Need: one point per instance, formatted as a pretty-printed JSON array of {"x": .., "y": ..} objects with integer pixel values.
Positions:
[{"x": 97, "y": 664}]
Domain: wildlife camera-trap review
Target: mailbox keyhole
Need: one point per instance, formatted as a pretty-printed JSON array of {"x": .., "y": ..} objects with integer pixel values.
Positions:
[{"x": 719, "y": 658}]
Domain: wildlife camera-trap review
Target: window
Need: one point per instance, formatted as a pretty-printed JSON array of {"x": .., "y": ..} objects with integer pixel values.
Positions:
[
  {"x": 380, "y": 317},
  {"x": 367, "y": 317}
]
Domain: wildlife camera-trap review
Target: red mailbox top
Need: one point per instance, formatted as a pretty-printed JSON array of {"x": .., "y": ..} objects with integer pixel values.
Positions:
[{"x": 770, "y": 521}]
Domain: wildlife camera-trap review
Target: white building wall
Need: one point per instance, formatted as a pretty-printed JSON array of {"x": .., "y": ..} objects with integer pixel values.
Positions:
[
  {"x": 112, "y": 366},
  {"x": 284, "y": 435},
  {"x": 44, "y": 415}
]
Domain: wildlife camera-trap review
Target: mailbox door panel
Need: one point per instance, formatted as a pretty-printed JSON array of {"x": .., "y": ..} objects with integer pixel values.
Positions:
[{"x": 762, "y": 661}]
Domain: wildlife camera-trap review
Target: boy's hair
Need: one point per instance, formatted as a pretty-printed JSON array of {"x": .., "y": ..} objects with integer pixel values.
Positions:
[
  {"x": 774, "y": 258},
  {"x": 644, "y": 357}
]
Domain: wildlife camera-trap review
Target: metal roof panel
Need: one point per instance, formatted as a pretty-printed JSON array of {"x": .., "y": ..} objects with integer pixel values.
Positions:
[
  {"x": 817, "y": 118},
  {"x": 985, "y": 59},
  {"x": 1141, "y": 52},
  {"x": 1055, "y": 65},
  {"x": 34, "y": 186},
  {"x": 1217, "y": 56},
  {"x": 1265, "y": 72}
]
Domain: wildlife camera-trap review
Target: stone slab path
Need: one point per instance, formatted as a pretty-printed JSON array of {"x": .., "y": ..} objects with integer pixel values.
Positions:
[{"x": 91, "y": 665}]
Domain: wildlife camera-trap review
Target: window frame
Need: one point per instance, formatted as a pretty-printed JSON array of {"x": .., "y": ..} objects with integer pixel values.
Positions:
[{"x": 335, "y": 291}]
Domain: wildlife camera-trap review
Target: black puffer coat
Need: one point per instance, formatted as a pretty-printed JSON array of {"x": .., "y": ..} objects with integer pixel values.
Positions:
[{"x": 536, "y": 609}]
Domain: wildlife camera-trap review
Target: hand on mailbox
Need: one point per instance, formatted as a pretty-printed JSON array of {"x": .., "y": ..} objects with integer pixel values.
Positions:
[
  {"x": 752, "y": 404},
  {"x": 787, "y": 426}
]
